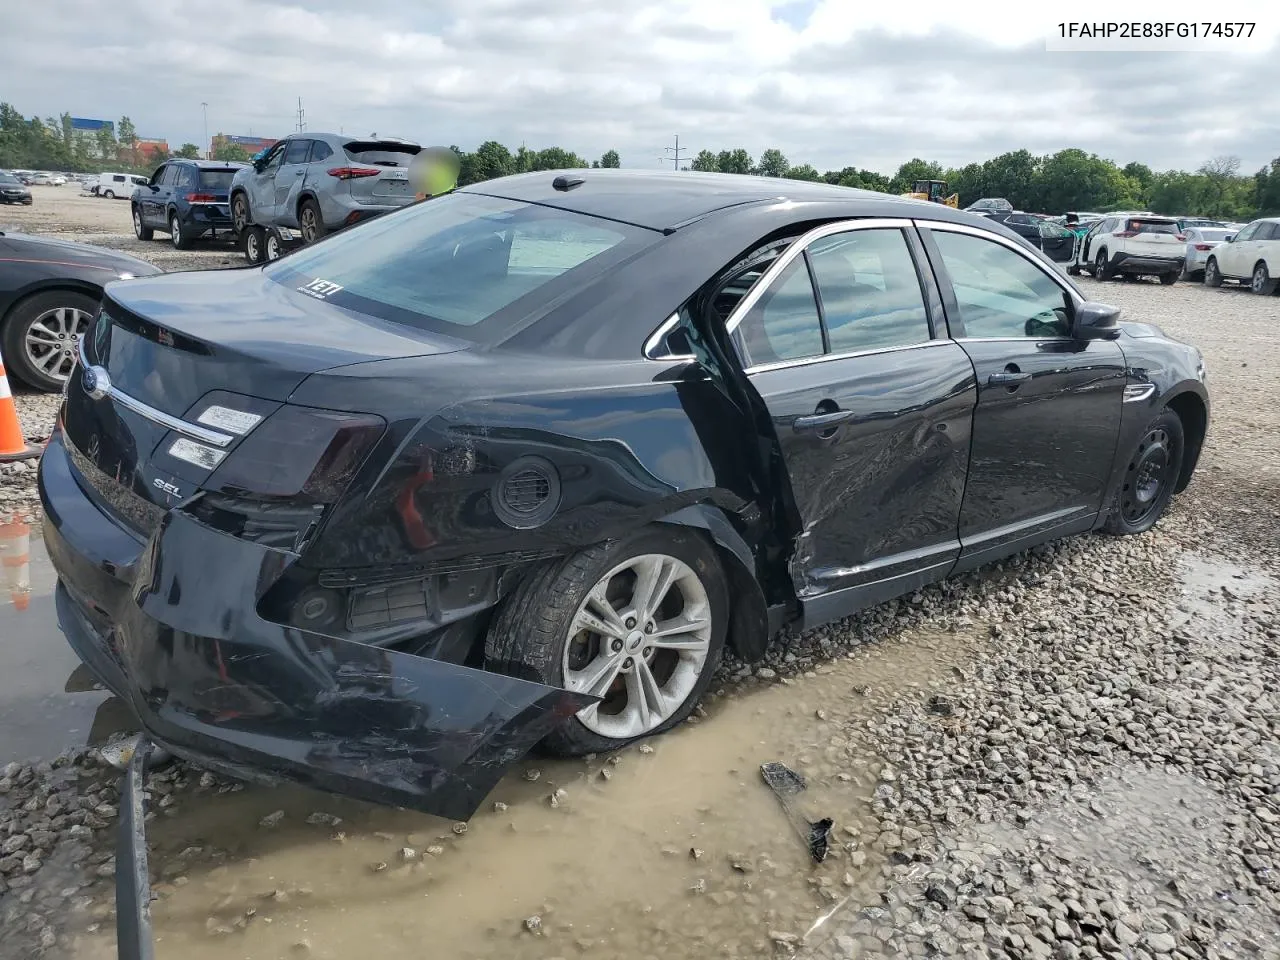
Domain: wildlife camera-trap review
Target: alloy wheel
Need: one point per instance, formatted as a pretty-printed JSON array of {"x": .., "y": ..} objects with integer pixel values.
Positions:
[
  {"x": 1146, "y": 476},
  {"x": 52, "y": 339},
  {"x": 1260, "y": 278},
  {"x": 308, "y": 225},
  {"x": 137, "y": 223},
  {"x": 239, "y": 215},
  {"x": 640, "y": 641},
  {"x": 175, "y": 231}
]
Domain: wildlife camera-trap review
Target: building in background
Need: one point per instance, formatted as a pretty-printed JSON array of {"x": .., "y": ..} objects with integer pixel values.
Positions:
[
  {"x": 87, "y": 130},
  {"x": 251, "y": 145},
  {"x": 147, "y": 148}
]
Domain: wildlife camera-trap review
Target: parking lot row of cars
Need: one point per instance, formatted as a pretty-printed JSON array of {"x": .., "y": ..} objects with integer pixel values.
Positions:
[{"x": 1128, "y": 244}]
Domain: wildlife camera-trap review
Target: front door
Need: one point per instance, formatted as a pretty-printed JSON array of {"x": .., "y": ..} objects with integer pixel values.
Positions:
[
  {"x": 870, "y": 404},
  {"x": 262, "y": 185},
  {"x": 289, "y": 182},
  {"x": 1048, "y": 414},
  {"x": 1236, "y": 259},
  {"x": 148, "y": 195}
]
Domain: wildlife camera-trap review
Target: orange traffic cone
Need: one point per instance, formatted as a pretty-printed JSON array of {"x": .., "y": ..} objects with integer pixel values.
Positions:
[
  {"x": 15, "y": 558},
  {"x": 12, "y": 446}
]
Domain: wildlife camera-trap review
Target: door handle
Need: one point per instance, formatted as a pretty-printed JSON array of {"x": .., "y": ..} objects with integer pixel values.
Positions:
[
  {"x": 1011, "y": 377},
  {"x": 821, "y": 421}
]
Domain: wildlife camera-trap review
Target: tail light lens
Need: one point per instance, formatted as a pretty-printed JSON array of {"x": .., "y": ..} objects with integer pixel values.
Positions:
[
  {"x": 201, "y": 198},
  {"x": 299, "y": 453},
  {"x": 353, "y": 173},
  {"x": 1203, "y": 246}
]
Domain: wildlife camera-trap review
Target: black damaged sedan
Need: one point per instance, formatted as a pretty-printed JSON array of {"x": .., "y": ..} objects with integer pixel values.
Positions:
[{"x": 517, "y": 464}]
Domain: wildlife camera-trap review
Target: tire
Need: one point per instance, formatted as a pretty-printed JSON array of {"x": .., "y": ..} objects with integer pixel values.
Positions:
[
  {"x": 41, "y": 359},
  {"x": 143, "y": 233},
  {"x": 1261, "y": 282},
  {"x": 1168, "y": 279},
  {"x": 1102, "y": 266},
  {"x": 254, "y": 245},
  {"x": 311, "y": 221},
  {"x": 181, "y": 239},
  {"x": 1212, "y": 275},
  {"x": 532, "y": 636},
  {"x": 109, "y": 194},
  {"x": 1142, "y": 498},
  {"x": 273, "y": 250},
  {"x": 240, "y": 216}
]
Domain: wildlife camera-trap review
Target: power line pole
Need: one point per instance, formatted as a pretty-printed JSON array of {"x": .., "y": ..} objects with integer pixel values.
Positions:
[
  {"x": 302, "y": 117},
  {"x": 204, "y": 110},
  {"x": 675, "y": 153}
]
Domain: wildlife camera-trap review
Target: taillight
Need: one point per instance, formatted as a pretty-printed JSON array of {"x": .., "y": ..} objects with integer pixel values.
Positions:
[
  {"x": 299, "y": 453},
  {"x": 1203, "y": 246},
  {"x": 201, "y": 198},
  {"x": 1127, "y": 233},
  {"x": 353, "y": 173}
]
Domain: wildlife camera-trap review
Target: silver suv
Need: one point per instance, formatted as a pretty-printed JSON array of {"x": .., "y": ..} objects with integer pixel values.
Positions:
[{"x": 320, "y": 182}]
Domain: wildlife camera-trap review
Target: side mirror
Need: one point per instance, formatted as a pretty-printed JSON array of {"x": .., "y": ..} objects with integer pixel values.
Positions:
[
  {"x": 1228, "y": 238},
  {"x": 1096, "y": 321}
]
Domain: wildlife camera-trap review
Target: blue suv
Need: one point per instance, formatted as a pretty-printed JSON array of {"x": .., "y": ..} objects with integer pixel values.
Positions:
[{"x": 186, "y": 199}]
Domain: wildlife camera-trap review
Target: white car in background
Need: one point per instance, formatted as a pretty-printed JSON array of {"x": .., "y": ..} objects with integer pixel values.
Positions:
[
  {"x": 1200, "y": 240},
  {"x": 1132, "y": 244},
  {"x": 1251, "y": 257}
]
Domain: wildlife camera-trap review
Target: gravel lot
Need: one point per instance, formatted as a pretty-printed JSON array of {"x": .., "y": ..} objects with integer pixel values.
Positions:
[{"x": 1076, "y": 754}]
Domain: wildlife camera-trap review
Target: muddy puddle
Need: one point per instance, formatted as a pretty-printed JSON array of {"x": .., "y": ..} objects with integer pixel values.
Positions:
[
  {"x": 1216, "y": 594},
  {"x": 678, "y": 851}
]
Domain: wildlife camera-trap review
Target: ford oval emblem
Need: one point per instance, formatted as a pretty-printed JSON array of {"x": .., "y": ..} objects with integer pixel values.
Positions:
[{"x": 96, "y": 382}]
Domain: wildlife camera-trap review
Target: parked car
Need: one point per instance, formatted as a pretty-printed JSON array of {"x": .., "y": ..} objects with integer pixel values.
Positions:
[
  {"x": 185, "y": 198},
  {"x": 1251, "y": 256},
  {"x": 41, "y": 180},
  {"x": 380, "y": 516},
  {"x": 13, "y": 190},
  {"x": 1057, "y": 242},
  {"x": 49, "y": 292},
  {"x": 1187, "y": 223},
  {"x": 1133, "y": 245},
  {"x": 1200, "y": 240},
  {"x": 320, "y": 182},
  {"x": 113, "y": 185},
  {"x": 990, "y": 205}
]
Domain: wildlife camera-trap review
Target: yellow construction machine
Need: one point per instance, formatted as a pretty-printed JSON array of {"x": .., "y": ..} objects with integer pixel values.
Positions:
[{"x": 935, "y": 191}]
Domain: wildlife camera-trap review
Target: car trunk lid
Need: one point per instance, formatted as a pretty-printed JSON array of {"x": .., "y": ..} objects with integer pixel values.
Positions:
[
  {"x": 383, "y": 170},
  {"x": 1152, "y": 237},
  {"x": 161, "y": 349}
]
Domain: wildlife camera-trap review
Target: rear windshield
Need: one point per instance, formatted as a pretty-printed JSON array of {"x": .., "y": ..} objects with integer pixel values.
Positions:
[
  {"x": 216, "y": 179},
  {"x": 381, "y": 153},
  {"x": 1211, "y": 233},
  {"x": 1153, "y": 226},
  {"x": 465, "y": 265}
]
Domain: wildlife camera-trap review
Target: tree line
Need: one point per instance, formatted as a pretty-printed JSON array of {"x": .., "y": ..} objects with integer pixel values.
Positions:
[{"x": 1070, "y": 179}]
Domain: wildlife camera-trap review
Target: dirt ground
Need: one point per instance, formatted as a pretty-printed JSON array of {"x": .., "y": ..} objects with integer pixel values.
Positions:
[{"x": 1073, "y": 754}]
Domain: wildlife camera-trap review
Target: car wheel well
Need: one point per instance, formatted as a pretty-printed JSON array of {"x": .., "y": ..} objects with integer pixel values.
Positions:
[
  {"x": 1195, "y": 423},
  {"x": 303, "y": 198},
  {"x": 85, "y": 288}
]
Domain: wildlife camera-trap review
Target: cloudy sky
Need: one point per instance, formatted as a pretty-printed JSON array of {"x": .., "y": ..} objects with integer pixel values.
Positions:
[{"x": 830, "y": 82}]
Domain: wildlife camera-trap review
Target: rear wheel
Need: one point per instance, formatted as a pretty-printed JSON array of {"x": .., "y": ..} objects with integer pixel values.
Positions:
[
  {"x": 1101, "y": 266},
  {"x": 109, "y": 194},
  {"x": 1261, "y": 283},
  {"x": 639, "y": 622},
  {"x": 1150, "y": 476},
  {"x": 41, "y": 335},
  {"x": 1212, "y": 275},
  {"x": 1168, "y": 279},
  {"x": 254, "y": 245},
  {"x": 311, "y": 221},
  {"x": 181, "y": 240},
  {"x": 143, "y": 233}
]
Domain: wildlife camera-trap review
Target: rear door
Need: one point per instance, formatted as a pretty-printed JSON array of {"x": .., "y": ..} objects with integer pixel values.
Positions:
[
  {"x": 289, "y": 180},
  {"x": 1048, "y": 414},
  {"x": 1057, "y": 242},
  {"x": 870, "y": 403}
]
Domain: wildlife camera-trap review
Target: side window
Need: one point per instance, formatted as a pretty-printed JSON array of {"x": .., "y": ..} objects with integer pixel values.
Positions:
[
  {"x": 783, "y": 324},
  {"x": 869, "y": 290},
  {"x": 320, "y": 151},
  {"x": 274, "y": 157},
  {"x": 297, "y": 151},
  {"x": 1001, "y": 293},
  {"x": 1248, "y": 232},
  {"x": 186, "y": 176}
]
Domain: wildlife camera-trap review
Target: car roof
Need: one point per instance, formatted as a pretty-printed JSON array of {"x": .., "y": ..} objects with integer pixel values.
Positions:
[
  {"x": 665, "y": 200},
  {"x": 208, "y": 164}
]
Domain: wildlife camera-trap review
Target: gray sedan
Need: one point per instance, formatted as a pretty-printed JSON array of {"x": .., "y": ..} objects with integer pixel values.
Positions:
[{"x": 1200, "y": 240}]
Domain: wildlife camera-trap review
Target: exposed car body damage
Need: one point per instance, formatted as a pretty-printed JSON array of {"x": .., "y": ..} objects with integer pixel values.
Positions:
[{"x": 338, "y": 637}]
